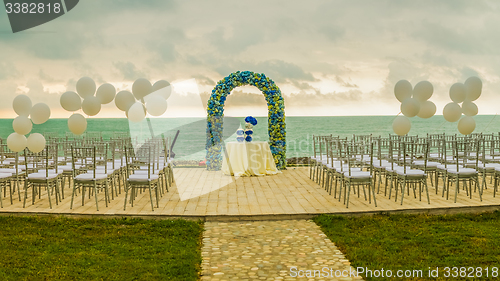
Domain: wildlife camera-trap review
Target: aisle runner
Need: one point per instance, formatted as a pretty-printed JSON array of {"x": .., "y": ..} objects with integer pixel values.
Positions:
[{"x": 270, "y": 250}]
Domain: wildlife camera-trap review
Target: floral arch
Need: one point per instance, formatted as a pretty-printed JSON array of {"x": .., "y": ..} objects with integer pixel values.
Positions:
[{"x": 276, "y": 116}]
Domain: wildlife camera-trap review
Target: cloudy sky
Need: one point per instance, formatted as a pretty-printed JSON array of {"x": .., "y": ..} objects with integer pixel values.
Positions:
[{"x": 328, "y": 57}]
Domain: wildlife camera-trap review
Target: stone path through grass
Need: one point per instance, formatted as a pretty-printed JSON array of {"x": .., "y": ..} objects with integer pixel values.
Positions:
[{"x": 271, "y": 250}]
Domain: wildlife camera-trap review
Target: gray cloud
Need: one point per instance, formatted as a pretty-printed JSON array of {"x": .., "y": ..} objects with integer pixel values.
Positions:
[
  {"x": 7, "y": 70},
  {"x": 242, "y": 37},
  {"x": 129, "y": 70},
  {"x": 204, "y": 80},
  {"x": 278, "y": 70},
  {"x": 38, "y": 94},
  {"x": 343, "y": 83},
  {"x": 302, "y": 99},
  {"x": 333, "y": 33}
]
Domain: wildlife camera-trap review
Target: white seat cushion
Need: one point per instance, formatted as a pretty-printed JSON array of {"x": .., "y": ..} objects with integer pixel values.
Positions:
[
  {"x": 90, "y": 177},
  {"x": 488, "y": 166},
  {"x": 145, "y": 172},
  {"x": 384, "y": 164},
  {"x": 345, "y": 168},
  {"x": 102, "y": 171},
  {"x": 5, "y": 175},
  {"x": 357, "y": 175},
  {"x": 66, "y": 168},
  {"x": 449, "y": 166},
  {"x": 335, "y": 164},
  {"x": 462, "y": 171},
  {"x": 7, "y": 171},
  {"x": 393, "y": 169},
  {"x": 139, "y": 178},
  {"x": 42, "y": 176},
  {"x": 411, "y": 173},
  {"x": 429, "y": 163}
]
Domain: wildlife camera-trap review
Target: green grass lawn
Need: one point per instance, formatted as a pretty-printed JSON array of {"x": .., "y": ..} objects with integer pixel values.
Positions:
[
  {"x": 50, "y": 248},
  {"x": 419, "y": 242}
]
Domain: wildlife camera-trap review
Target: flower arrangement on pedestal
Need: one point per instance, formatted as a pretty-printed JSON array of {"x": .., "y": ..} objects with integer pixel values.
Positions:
[{"x": 250, "y": 122}]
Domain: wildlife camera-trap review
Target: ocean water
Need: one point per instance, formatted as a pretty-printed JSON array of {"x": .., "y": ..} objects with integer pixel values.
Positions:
[{"x": 190, "y": 144}]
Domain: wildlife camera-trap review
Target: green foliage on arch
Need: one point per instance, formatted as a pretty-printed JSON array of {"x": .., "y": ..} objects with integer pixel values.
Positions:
[{"x": 276, "y": 116}]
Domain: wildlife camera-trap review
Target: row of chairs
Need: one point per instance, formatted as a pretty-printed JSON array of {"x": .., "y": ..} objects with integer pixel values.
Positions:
[
  {"x": 406, "y": 163},
  {"x": 95, "y": 165}
]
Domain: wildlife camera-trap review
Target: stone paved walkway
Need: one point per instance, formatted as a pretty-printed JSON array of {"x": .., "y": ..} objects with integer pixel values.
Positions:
[{"x": 270, "y": 250}]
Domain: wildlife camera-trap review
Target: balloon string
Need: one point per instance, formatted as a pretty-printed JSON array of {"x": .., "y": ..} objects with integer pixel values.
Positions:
[
  {"x": 489, "y": 123},
  {"x": 392, "y": 121},
  {"x": 439, "y": 127}
]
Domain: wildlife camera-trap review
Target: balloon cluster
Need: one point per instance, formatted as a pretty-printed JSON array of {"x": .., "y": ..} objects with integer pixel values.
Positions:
[
  {"x": 91, "y": 104},
  {"x": 464, "y": 93},
  {"x": 144, "y": 99},
  {"x": 414, "y": 102},
  {"x": 28, "y": 115}
]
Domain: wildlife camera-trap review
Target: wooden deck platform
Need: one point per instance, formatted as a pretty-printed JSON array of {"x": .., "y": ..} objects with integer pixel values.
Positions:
[{"x": 201, "y": 194}]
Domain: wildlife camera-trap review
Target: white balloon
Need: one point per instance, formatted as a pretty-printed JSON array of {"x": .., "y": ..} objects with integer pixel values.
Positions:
[
  {"x": 137, "y": 112},
  {"x": 457, "y": 92},
  {"x": 160, "y": 84},
  {"x": 106, "y": 93},
  {"x": 91, "y": 106},
  {"x": 36, "y": 142},
  {"x": 427, "y": 109},
  {"x": 22, "y": 105},
  {"x": 466, "y": 125},
  {"x": 85, "y": 87},
  {"x": 410, "y": 107},
  {"x": 77, "y": 124},
  {"x": 124, "y": 100},
  {"x": 452, "y": 112},
  {"x": 423, "y": 91},
  {"x": 156, "y": 105},
  {"x": 40, "y": 113},
  {"x": 402, "y": 90},
  {"x": 141, "y": 88},
  {"x": 22, "y": 125},
  {"x": 401, "y": 125},
  {"x": 16, "y": 142},
  {"x": 70, "y": 101},
  {"x": 473, "y": 86},
  {"x": 469, "y": 108}
]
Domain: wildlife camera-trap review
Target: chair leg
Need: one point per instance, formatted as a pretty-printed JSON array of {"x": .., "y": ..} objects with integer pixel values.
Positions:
[
  {"x": 157, "y": 198},
  {"x": 1, "y": 200},
  {"x": 48, "y": 194},
  {"x": 403, "y": 190},
  {"x": 73, "y": 195},
  {"x": 84, "y": 188},
  {"x": 348, "y": 190},
  {"x": 10, "y": 189},
  {"x": 125, "y": 189},
  {"x": 25, "y": 192},
  {"x": 106, "y": 192},
  {"x": 18, "y": 188},
  {"x": 95, "y": 191},
  {"x": 480, "y": 192},
  {"x": 151, "y": 197}
]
